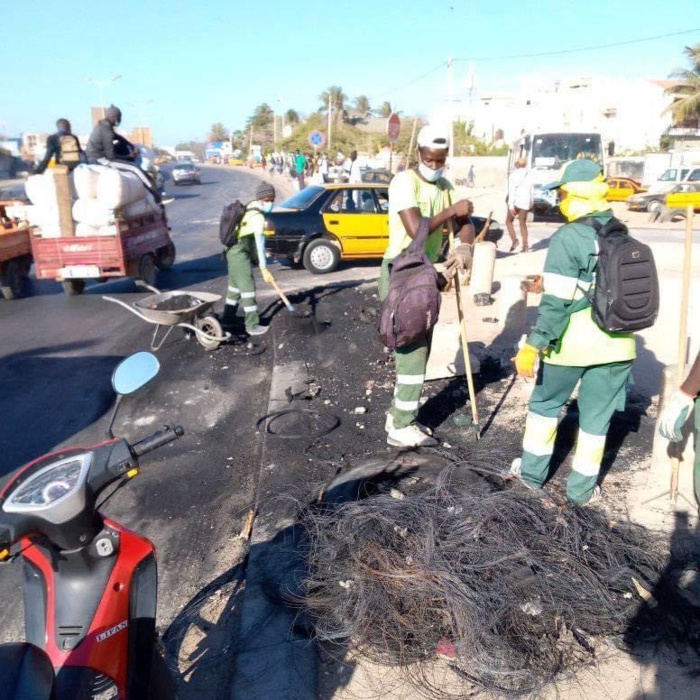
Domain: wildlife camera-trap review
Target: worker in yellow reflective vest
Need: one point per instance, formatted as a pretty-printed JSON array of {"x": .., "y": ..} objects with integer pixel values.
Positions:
[{"x": 572, "y": 347}]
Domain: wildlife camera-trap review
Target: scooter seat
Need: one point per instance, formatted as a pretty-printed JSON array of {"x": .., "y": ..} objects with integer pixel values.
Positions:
[{"x": 26, "y": 673}]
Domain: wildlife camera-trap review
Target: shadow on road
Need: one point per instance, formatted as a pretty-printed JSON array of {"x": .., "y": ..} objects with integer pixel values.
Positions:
[{"x": 55, "y": 393}]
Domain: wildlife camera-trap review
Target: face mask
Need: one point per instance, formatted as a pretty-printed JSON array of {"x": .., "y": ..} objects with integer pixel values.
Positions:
[
  {"x": 62, "y": 131},
  {"x": 428, "y": 173},
  {"x": 267, "y": 207}
]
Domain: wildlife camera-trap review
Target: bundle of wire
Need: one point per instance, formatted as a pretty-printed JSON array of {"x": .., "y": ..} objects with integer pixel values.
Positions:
[{"x": 518, "y": 587}]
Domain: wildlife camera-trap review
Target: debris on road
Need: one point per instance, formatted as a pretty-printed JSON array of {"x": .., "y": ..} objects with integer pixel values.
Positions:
[{"x": 248, "y": 526}]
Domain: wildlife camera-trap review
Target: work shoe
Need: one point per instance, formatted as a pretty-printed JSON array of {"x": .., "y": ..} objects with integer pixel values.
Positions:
[
  {"x": 389, "y": 425},
  {"x": 410, "y": 436},
  {"x": 257, "y": 330},
  {"x": 597, "y": 495}
]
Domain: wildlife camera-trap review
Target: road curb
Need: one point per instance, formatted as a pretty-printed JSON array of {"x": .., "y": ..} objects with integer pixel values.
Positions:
[{"x": 277, "y": 658}]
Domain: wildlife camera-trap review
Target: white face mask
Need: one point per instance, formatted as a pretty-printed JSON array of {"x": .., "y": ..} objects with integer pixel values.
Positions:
[
  {"x": 428, "y": 173},
  {"x": 267, "y": 207}
]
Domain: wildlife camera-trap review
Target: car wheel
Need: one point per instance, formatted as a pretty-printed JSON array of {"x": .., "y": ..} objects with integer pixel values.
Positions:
[
  {"x": 654, "y": 205},
  {"x": 321, "y": 256}
]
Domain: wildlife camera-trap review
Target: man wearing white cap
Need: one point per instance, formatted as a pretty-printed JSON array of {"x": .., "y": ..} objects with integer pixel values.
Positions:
[{"x": 416, "y": 193}]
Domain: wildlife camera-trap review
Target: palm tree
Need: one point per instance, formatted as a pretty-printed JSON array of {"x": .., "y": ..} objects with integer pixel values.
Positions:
[
  {"x": 334, "y": 96},
  {"x": 362, "y": 106},
  {"x": 687, "y": 106},
  {"x": 385, "y": 110},
  {"x": 218, "y": 132}
]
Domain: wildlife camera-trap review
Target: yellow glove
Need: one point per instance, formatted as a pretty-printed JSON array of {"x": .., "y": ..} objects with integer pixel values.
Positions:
[
  {"x": 525, "y": 361},
  {"x": 267, "y": 275}
]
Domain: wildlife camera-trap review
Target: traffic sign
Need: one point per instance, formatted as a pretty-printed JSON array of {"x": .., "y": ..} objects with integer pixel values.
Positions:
[
  {"x": 317, "y": 139},
  {"x": 393, "y": 127}
]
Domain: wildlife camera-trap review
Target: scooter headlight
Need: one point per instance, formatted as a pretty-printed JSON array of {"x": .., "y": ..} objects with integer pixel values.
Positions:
[{"x": 51, "y": 487}]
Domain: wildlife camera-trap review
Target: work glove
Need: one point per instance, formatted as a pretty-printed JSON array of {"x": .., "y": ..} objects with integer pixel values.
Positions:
[
  {"x": 674, "y": 415},
  {"x": 526, "y": 360},
  {"x": 458, "y": 260},
  {"x": 267, "y": 275}
]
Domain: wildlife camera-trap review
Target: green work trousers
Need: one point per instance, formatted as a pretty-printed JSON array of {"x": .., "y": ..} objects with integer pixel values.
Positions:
[
  {"x": 240, "y": 259},
  {"x": 411, "y": 361},
  {"x": 601, "y": 393}
]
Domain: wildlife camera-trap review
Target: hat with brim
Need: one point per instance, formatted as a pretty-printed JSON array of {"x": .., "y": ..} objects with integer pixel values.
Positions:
[{"x": 582, "y": 170}]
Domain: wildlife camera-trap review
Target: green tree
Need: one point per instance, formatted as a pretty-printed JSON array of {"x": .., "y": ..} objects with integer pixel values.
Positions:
[
  {"x": 362, "y": 106},
  {"x": 262, "y": 116},
  {"x": 334, "y": 96},
  {"x": 688, "y": 105},
  {"x": 218, "y": 132},
  {"x": 385, "y": 110},
  {"x": 291, "y": 116}
]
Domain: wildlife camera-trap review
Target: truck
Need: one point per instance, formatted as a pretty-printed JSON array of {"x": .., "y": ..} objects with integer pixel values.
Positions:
[{"x": 15, "y": 252}]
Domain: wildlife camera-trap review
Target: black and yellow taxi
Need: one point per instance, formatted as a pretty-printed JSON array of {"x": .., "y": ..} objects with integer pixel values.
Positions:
[{"x": 324, "y": 224}]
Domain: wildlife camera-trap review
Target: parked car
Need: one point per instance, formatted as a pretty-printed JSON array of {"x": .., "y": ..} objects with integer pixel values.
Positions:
[
  {"x": 379, "y": 176},
  {"x": 646, "y": 201},
  {"x": 620, "y": 188},
  {"x": 186, "y": 172},
  {"x": 324, "y": 224},
  {"x": 683, "y": 195}
]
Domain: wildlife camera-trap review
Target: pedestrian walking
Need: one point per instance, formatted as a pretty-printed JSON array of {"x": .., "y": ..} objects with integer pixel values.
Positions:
[
  {"x": 519, "y": 200},
  {"x": 684, "y": 401},
  {"x": 63, "y": 147},
  {"x": 248, "y": 251},
  {"x": 416, "y": 193},
  {"x": 300, "y": 168},
  {"x": 470, "y": 176},
  {"x": 573, "y": 348}
]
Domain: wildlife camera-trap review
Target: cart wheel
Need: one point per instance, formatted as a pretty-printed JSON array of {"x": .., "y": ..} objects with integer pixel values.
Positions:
[
  {"x": 165, "y": 256},
  {"x": 12, "y": 280},
  {"x": 73, "y": 287},
  {"x": 147, "y": 269},
  {"x": 209, "y": 325}
]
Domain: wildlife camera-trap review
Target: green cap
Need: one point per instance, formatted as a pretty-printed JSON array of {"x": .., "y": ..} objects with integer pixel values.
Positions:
[{"x": 581, "y": 170}]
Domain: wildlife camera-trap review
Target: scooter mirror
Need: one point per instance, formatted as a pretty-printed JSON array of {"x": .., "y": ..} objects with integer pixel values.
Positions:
[{"x": 135, "y": 372}]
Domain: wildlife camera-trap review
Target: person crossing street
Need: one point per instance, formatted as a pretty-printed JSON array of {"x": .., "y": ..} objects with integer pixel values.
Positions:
[
  {"x": 573, "y": 348},
  {"x": 248, "y": 250},
  {"x": 416, "y": 193}
]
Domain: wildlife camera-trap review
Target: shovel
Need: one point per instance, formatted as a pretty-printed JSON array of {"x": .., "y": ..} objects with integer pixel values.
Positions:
[{"x": 285, "y": 300}]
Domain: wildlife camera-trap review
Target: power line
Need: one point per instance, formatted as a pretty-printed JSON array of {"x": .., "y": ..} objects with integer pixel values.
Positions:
[
  {"x": 411, "y": 82},
  {"x": 582, "y": 48}
]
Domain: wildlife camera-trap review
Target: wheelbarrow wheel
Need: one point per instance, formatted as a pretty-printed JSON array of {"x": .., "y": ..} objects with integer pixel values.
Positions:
[
  {"x": 211, "y": 326},
  {"x": 73, "y": 287}
]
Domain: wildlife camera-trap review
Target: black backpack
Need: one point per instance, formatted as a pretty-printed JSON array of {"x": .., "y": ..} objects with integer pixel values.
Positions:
[
  {"x": 412, "y": 306},
  {"x": 625, "y": 297},
  {"x": 230, "y": 222}
]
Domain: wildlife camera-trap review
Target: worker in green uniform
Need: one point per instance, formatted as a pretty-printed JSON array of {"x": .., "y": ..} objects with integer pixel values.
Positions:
[
  {"x": 416, "y": 193},
  {"x": 677, "y": 411},
  {"x": 574, "y": 349},
  {"x": 248, "y": 250}
]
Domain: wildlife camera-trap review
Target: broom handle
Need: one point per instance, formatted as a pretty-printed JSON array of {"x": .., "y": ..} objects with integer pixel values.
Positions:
[
  {"x": 683, "y": 333},
  {"x": 463, "y": 336}
]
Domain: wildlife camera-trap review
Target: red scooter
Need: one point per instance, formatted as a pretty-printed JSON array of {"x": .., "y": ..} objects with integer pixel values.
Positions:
[{"x": 89, "y": 584}]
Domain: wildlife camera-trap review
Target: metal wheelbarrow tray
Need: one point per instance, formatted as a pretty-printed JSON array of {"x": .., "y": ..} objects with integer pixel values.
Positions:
[{"x": 182, "y": 309}]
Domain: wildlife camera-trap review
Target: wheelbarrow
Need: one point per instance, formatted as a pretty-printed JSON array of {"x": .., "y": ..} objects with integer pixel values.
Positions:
[{"x": 182, "y": 309}]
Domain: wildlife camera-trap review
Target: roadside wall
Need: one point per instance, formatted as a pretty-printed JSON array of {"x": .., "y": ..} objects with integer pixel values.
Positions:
[{"x": 489, "y": 171}]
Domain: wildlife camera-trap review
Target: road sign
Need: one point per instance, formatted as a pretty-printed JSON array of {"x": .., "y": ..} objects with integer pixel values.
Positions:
[
  {"x": 317, "y": 139},
  {"x": 393, "y": 127}
]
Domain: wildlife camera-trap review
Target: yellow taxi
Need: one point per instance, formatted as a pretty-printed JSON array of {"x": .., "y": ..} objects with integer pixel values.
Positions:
[
  {"x": 683, "y": 195},
  {"x": 622, "y": 187}
]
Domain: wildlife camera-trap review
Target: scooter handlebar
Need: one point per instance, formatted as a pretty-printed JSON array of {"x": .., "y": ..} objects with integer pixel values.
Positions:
[{"x": 162, "y": 437}]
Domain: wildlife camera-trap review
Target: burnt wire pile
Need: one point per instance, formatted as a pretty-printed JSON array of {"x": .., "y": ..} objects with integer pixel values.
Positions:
[{"x": 515, "y": 588}]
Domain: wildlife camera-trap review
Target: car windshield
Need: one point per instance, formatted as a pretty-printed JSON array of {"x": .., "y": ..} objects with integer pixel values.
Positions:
[
  {"x": 302, "y": 199},
  {"x": 185, "y": 166},
  {"x": 551, "y": 151}
]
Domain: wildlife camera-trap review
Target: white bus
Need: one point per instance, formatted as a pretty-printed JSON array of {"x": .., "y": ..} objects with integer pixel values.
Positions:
[{"x": 546, "y": 154}]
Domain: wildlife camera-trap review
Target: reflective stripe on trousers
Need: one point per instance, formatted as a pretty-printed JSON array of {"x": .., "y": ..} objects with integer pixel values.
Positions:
[{"x": 241, "y": 286}]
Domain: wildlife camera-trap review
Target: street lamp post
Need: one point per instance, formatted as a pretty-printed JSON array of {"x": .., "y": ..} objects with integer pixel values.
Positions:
[{"x": 101, "y": 85}]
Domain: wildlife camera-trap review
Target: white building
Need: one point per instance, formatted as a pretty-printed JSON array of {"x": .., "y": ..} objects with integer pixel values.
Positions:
[{"x": 631, "y": 113}]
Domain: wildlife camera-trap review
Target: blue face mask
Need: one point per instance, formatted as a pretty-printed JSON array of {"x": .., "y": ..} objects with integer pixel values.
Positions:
[
  {"x": 267, "y": 207},
  {"x": 62, "y": 131}
]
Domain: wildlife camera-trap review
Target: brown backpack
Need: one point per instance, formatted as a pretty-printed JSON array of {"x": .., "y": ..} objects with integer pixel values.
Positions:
[
  {"x": 70, "y": 150},
  {"x": 412, "y": 306}
]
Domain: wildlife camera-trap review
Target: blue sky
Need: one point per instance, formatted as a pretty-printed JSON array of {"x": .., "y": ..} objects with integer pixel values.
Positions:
[{"x": 185, "y": 65}]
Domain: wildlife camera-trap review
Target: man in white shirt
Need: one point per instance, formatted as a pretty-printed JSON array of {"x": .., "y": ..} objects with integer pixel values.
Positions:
[{"x": 519, "y": 202}]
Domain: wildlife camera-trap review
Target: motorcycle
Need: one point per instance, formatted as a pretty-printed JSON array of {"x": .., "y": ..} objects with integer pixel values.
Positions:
[{"x": 90, "y": 584}]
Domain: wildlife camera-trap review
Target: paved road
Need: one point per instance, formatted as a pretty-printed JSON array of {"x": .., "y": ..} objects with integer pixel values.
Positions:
[{"x": 56, "y": 359}]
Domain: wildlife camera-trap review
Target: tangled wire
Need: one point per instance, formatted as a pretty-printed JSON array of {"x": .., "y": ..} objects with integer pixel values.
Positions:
[{"x": 512, "y": 587}]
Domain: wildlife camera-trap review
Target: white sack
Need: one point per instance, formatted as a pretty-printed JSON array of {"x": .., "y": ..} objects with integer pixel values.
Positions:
[
  {"x": 85, "y": 178},
  {"x": 41, "y": 191},
  {"x": 110, "y": 230},
  {"x": 116, "y": 188},
  {"x": 144, "y": 206},
  {"x": 85, "y": 230},
  {"x": 92, "y": 212}
]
